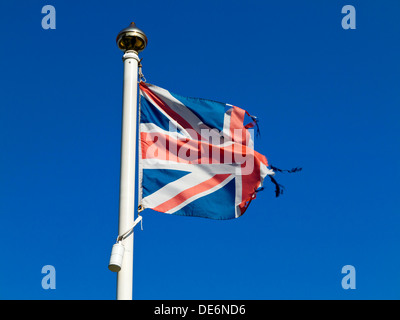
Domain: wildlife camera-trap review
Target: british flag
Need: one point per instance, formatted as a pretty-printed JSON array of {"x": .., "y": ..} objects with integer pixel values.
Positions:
[{"x": 197, "y": 156}]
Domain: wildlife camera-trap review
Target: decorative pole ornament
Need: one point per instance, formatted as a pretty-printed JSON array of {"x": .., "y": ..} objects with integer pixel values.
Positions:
[
  {"x": 132, "y": 38},
  {"x": 131, "y": 41}
]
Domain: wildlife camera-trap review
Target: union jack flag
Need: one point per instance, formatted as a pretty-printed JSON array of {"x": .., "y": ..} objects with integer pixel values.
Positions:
[{"x": 197, "y": 157}]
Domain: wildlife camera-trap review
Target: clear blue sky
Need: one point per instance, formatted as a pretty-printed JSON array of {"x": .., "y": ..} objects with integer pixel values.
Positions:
[{"x": 328, "y": 101}]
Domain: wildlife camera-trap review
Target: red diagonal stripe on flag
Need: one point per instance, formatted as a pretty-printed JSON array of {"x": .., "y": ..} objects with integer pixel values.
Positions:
[{"x": 188, "y": 193}]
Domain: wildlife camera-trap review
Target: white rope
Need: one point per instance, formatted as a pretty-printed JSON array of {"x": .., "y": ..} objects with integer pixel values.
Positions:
[
  {"x": 140, "y": 168},
  {"x": 125, "y": 234}
]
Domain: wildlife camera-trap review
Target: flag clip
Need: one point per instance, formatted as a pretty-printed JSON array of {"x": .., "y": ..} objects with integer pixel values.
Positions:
[{"x": 141, "y": 76}]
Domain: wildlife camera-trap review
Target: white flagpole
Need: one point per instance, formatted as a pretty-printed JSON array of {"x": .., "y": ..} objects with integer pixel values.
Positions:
[{"x": 131, "y": 40}]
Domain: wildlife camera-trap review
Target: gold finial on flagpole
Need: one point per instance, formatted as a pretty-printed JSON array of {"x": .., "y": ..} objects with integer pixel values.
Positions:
[{"x": 132, "y": 38}]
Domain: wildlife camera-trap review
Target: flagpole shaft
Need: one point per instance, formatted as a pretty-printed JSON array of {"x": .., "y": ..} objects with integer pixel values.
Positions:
[{"x": 127, "y": 177}]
